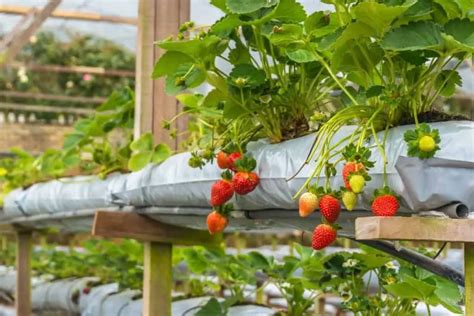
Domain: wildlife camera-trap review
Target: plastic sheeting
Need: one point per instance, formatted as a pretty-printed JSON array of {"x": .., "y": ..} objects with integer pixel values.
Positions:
[
  {"x": 59, "y": 295},
  {"x": 173, "y": 183},
  {"x": 114, "y": 304},
  {"x": 182, "y": 193},
  {"x": 66, "y": 195},
  {"x": 90, "y": 304}
]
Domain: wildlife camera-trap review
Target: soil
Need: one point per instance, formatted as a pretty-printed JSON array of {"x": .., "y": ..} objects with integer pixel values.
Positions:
[{"x": 433, "y": 116}]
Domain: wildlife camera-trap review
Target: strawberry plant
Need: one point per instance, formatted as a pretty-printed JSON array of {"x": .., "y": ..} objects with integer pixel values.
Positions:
[{"x": 398, "y": 59}]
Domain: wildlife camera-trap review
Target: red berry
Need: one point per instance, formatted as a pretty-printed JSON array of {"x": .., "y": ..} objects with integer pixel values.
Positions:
[
  {"x": 323, "y": 236},
  {"x": 222, "y": 160},
  {"x": 221, "y": 192},
  {"x": 245, "y": 182},
  {"x": 385, "y": 205},
  {"x": 232, "y": 158},
  {"x": 216, "y": 222},
  {"x": 86, "y": 290},
  {"x": 330, "y": 208},
  {"x": 348, "y": 168}
]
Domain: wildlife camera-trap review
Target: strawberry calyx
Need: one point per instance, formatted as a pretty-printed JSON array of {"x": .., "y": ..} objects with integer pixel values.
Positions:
[
  {"x": 335, "y": 226},
  {"x": 358, "y": 155},
  {"x": 384, "y": 191},
  {"x": 226, "y": 175},
  {"x": 245, "y": 164},
  {"x": 224, "y": 209}
]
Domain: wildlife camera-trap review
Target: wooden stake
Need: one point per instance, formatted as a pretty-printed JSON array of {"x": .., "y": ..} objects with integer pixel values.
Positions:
[
  {"x": 157, "y": 279},
  {"x": 469, "y": 277},
  {"x": 23, "y": 273}
]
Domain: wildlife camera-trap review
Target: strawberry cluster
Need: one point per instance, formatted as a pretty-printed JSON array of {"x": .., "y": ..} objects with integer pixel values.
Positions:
[
  {"x": 354, "y": 175},
  {"x": 239, "y": 178}
]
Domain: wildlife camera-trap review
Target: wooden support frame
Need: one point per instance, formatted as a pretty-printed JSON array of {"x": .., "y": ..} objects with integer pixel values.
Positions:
[
  {"x": 23, "y": 38},
  {"x": 159, "y": 239},
  {"x": 23, "y": 273},
  {"x": 99, "y": 71},
  {"x": 426, "y": 229},
  {"x": 70, "y": 15},
  {"x": 52, "y": 97},
  {"x": 157, "y": 20}
]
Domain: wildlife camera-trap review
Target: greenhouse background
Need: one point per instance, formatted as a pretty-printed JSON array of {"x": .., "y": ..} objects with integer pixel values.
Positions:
[{"x": 123, "y": 127}]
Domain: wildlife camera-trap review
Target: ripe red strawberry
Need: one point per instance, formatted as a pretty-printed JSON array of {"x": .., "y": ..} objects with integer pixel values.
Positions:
[
  {"x": 350, "y": 167},
  {"x": 222, "y": 160},
  {"x": 245, "y": 182},
  {"x": 231, "y": 159},
  {"x": 385, "y": 205},
  {"x": 86, "y": 290},
  {"x": 308, "y": 203},
  {"x": 221, "y": 192},
  {"x": 216, "y": 222},
  {"x": 330, "y": 208},
  {"x": 323, "y": 236}
]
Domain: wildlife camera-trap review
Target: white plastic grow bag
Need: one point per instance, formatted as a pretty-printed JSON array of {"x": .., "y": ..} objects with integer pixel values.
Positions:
[
  {"x": 174, "y": 184},
  {"x": 90, "y": 304},
  {"x": 65, "y": 195},
  {"x": 59, "y": 295},
  {"x": 114, "y": 304}
]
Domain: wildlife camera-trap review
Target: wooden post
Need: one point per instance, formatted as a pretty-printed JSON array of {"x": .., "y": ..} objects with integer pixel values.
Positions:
[
  {"x": 23, "y": 273},
  {"x": 469, "y": 278},
  {"x": 157, "y": 279},
  {"x": 159, "y": 239},
  {"x": 426, "y": 229},
  {"x": 157, "y": 20}
]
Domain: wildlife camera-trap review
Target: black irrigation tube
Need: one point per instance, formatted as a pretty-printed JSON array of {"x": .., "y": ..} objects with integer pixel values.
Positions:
[
  {"x": 411, "y": 256},
  {"x": 416, "y": 258}
]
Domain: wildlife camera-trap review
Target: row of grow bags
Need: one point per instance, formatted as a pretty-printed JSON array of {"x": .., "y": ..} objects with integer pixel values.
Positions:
[{"x": 173, "y": 188}]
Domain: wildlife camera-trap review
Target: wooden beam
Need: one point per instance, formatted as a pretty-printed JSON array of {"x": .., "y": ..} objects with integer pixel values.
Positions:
[
  {"x": 23, "y": 274},
  {"x": 71, "y": 15},
  {"x": 99, "y": 71},
  {"x": 51, "y": 97},
  {"x": 20, "y": 40},
  {"x": 140, "y": 227},
  {"x": 157, "y": 20},
  {"x": 157, "y": 279},
  {"x": 469, "y": 278},
  {"x": 16, "y": 30},
  {"x": 39, "y": 108},
  {"x": 415, "y": 228}
]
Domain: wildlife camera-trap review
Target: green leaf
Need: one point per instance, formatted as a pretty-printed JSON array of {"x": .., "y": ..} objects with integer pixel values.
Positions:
[
  {"x": 116, "y": 99},
  {"x": 354, "y": 31},
  {"x": 226, "y": 25},
  {"x": 220, "y": 4},
  {"x": 212, "y": 307},
  {"x": 169, "y": 62},
  {"x": 419, "y": 9},
  {"x": 186, "y": 76},
  {"x": 378, "y": 15},
  {"x": 450, "y": 7},
  {"x": 245, "y": 6},
  {"x": 301, "y": 56},
  {"x": 139, "y": 160},
  {"x": 321, "y": 23},
  {"x": 424, "y": 288},
  {"x": 73, "y": 140},
  {"x": 199, "y": 49},
  {"x": 258, "y": 260},
  {"x": 289, "y": 11},
  {"x": 447, "y": 80},
  {"x": 414, "y": 36},
  {"x": 239, "y": 55},
  {"x": 403, "y": 290},
  {"x": 143, "y": 143},
  {"x": 462, "y": 31},
  {"x": 447, "y": 291},
  {"x": 372, "y": 261},
  {"x": 232, "y": 110},
  {"x": 251, "y": 76},
  {"x": 161, "y": 153},
  {"x": 286, "y": 34}
]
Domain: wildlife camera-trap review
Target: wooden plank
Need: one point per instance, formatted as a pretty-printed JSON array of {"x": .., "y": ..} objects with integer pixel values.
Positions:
[
  {"x": 39, "y": 108},
  {"x": 100, "y": 71},
  {"x": 469, "y": 278},
  {"x": 20, "y": 40},
  {"x": 23, "y": 274},
  {"x": 136, "y": 226},
  {"x": 415, "y": 228},
  {"x": 157, "y": 20},
  {"x": 157, "y": 279},
  {"x": 70, "y": 15},
  {"x": 51, "y": 97}
]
